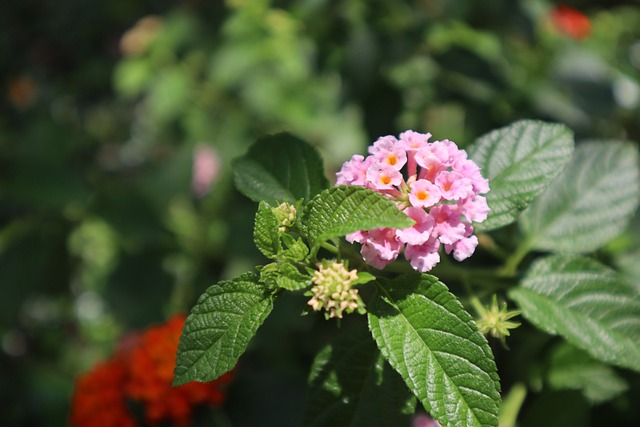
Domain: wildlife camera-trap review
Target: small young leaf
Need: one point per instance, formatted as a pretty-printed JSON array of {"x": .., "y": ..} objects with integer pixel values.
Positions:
[
  {"x": 573, "y": 369},
  {"x": 589, "y": 203},
  {"x": 290, "y": 278},
  {"x": 341, "y": 210},
  {"x": 295, "y": 249},
  {"x": 280, "y": 168},
  {"x": 265, "y": 232},
  {"x": 520, "y": 161},
  {"x": 429, "y": 338},
  {"x": 351, "y": 384},
  {"x": 590, "y": 305},
  {"x": 219, "y": 328}
]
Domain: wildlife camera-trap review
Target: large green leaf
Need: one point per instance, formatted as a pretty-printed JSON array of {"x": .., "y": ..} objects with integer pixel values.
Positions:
[
  {"x": 220, "y": 327},
  {"x": 572, "y": 369},
  {"x": 280, "y": 168},
  {"x": 429, "y": 338},
  {"x": 589, "y": 203},
  {"x": 351, "y": 384},
  {"x": 520, "y": 161},
  {"x": 341, "y": 210},
  {"x": 590, "y": 305}
]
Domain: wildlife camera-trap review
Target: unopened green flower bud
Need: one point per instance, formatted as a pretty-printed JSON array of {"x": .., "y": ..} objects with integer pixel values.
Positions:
[
  {"x": 333, "y": 291},
  {"x": 286, "y": 215}
]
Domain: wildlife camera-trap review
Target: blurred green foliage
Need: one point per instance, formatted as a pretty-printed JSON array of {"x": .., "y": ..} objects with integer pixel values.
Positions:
[{"x": 105, "y": 107}]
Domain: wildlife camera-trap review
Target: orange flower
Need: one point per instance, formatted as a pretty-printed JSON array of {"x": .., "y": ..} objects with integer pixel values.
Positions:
[
  {"x": 571, "y": 22},
  {"x": 142, "y": 371}
]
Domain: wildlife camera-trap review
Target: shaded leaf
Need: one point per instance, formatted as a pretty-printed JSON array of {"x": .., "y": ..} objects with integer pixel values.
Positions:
[
  {"x": 559, "y": 409},
  {"x": 589, "y": 203},
  {"x": 573, "y": 369},
  {"x": 280, "y": 168},
  {"x": 520, "y": 161},
  {"x": 219, "y": 328},
  {"x": 590, "y": 305},
  {"x": 429, "y": 338},
  {"x": 351, "y": 384},
  {"x": 341, "y": 210}
]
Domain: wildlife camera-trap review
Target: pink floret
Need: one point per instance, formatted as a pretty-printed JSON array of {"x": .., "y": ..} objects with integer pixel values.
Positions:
[{"x": 433, "y": 183}]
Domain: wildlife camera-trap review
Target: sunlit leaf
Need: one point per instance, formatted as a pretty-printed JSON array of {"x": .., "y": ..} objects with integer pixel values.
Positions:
[
  {"x": 220, "y": 327},
  {"x": 429, "y": 338},
  {"x": 590, "y": 305},
  {"x": 520, "y": 161},
  {"x": 338, "y": 211}
]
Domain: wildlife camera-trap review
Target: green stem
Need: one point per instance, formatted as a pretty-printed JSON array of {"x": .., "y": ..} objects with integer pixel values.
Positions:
[
  {"x": 511, "y": 405},
  {"x": 331, "y": 248},
  {"x": 511, "y": 265},
  {"x": 485, "y": 277}
]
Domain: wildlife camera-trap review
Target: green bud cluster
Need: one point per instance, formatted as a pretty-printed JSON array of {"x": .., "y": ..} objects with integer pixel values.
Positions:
[
  {"x": 333, "y": 291},
  {"x": 286, "y": 215}
]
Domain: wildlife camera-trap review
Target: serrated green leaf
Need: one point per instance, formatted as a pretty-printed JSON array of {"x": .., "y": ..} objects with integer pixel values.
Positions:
[
  {"x": 589, "y": 203},
  {"x": 520, "y": 161},
  {"x": 429, "y": 338},
  {"x": 219, "y": 328},
  {"x": 363, "y": 277},
  {"x": 590, "y": 305},
  {"x": 338, "y": 211},
  {"x": 265, "y": 232},
  {"x": 351, "y": 384},
  {"x": 290, "y": 278},
  {"x": 572, "y": 369},
  {"x": 280, "y": 168},
  {"x": 295, "y": 249}
]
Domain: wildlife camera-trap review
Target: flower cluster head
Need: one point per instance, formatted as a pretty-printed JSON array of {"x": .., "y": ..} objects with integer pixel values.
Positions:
[
  {"x": 433, "y": 183},
  {"x": 141, "y": 371},
  {"x": 333, "y": 290}
]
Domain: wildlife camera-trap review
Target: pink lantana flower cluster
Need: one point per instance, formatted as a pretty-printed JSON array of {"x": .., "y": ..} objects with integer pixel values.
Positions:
[{"x": 433, "y": 183}]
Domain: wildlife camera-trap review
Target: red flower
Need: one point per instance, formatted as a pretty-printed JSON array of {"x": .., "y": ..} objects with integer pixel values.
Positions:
[
  {"x": 142, "y": 371},
  {"x": 98, "y": 399},
  {"x": 571, "y": 22}
]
